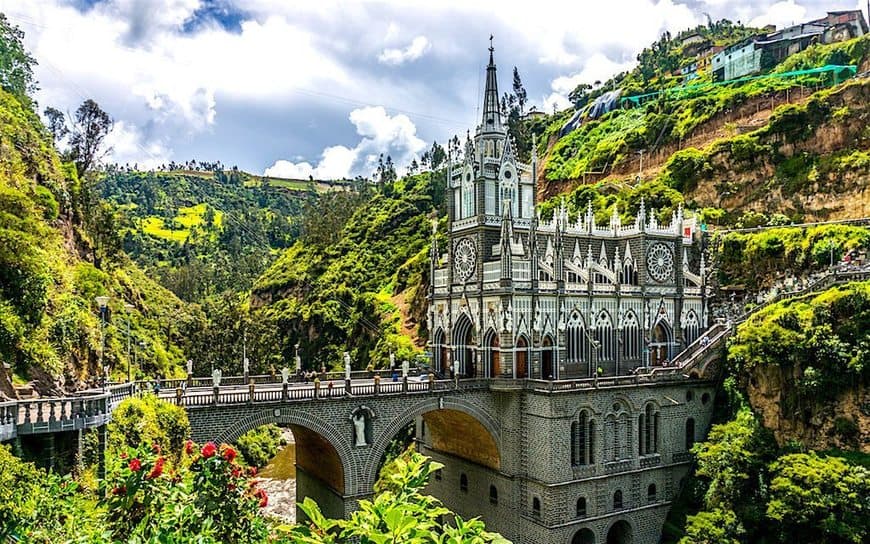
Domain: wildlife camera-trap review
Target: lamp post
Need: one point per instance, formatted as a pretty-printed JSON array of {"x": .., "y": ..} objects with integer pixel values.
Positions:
[
  {"x": 103, "y": 304},
  {"x": 128, "y": 307}
]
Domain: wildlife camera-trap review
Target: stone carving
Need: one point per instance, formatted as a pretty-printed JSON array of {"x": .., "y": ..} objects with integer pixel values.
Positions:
[
  {"x": 359, "y": 427},
  {"x": 216, "y": 377},
  {"x": 346, "y": 365}
]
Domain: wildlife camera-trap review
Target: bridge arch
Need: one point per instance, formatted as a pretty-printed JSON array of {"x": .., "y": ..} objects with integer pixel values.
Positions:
[
  {"x": 330, "y": 445},
  {"x": 431, "y": 404}
]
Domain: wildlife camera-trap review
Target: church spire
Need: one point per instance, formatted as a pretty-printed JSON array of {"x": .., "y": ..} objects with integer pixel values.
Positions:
[{"x": 491, "y": 111}]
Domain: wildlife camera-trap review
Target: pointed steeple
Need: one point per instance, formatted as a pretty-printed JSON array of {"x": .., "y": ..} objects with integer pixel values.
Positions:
[{"x": 491, "y": 111}]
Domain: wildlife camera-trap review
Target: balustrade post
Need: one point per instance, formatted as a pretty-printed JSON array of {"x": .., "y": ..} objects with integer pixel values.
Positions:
[
  {"x": 347, "y": 386},
  {"x": 216, "y": 391},
  {"x": 404, "y": 384},
  {"x": 329, "y": 386},
  {"x": 52, "y": 407},
  {"x": 431, "y": 382},
  {"x": 179, "y": 392},
  {"x": 316, "y": 388},
  {"x": 251, "y": 388},
  {"x": 27, "y": 412},
  {"x": 39, "y": 412},
  {"x": 377, "y": 384},
  {"x": 284, "y": 392}
]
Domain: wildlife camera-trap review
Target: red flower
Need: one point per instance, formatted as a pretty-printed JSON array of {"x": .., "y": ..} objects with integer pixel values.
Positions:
[
  {"x": 264, "y": 498},
  {"x": 135, "y": 465},
  {"x": 229, "y": 454},
  {"x": 119, "y": 490},
  {"x": 189, "y": 446},
  {"x": 155, "y": 447},
  {"x": 157, "y": 470},
  {"x": 252, "y": 471},
  {"x": 231, "y": 487},
  {"x": 236, "y": 472},
  {"x": 208, "y": 450}
]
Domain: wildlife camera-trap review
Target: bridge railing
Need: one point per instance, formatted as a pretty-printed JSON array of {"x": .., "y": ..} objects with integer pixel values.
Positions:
[{"x": 270, "y": 393}]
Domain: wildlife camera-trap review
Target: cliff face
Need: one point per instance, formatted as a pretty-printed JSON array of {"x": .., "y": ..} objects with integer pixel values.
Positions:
[{"x": 842, "y": 423}]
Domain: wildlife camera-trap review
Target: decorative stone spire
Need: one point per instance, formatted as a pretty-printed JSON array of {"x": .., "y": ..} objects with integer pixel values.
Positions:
[
  {"x": 491, "y": 121},
  {"x": 590, "y": 216},
  {"x": 602, "y": 258},
  {"x": 615, "y": 220}
]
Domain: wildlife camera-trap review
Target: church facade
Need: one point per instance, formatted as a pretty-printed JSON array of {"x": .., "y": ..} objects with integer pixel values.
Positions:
[
  {"x": 517, "y": 296},
  {"x": 538, "y": 306}
]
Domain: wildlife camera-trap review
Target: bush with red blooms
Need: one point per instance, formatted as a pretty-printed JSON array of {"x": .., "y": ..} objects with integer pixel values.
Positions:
[{"x": 207, "y": 494}]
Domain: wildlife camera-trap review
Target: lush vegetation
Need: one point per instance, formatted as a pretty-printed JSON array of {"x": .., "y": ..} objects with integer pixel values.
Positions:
[
  {"x": 203, "y": 495},
  {"x": 755, "y": 257},
  {"x": 258, "y": 446},
  {"x": 202, "y": 233},
  {"x": 147, "y": 420},
  {"x": 342, "y": 287},
  {"x": 749, "y": 491}
]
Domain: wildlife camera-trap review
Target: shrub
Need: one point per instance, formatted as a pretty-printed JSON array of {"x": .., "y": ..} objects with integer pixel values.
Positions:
[
  {"x": 258, "y": 446},
  {"x": 148, "y": 420}
]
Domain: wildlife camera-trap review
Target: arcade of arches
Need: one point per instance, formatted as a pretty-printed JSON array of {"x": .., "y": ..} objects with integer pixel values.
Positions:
[{"x": 619, "y": 533}]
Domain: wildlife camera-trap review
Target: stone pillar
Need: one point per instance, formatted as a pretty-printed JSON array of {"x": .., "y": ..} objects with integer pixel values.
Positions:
[{"x": 102, "y": 439}]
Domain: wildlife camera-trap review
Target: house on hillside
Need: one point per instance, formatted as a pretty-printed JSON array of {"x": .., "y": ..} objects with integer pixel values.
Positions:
[{"x": 755, "y": 53}]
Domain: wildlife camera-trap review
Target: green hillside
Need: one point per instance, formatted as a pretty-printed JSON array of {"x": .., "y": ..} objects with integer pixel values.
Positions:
[{"x": 49, "y": 324}]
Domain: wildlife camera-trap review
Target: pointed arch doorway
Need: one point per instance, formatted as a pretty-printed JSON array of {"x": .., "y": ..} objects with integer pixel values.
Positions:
[
  {"x": 522, "y": 357},
  {"x": 661, "y": 341},
  {"x": 493, "y": 354},
  {"x": 547, "y": 357}
]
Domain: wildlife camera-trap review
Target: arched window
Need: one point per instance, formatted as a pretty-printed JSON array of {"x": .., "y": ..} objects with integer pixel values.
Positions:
[
  {"x": 536, "y": 507},
  {"x": 628, "y": 276},
  {"x": 467, "y": 199},
  {"x": 439, "y": 351},
  {"x": 581, "y": 507},
  {"x": 651, "y": 493},
  {"x": 583, "y": 440},
  {"x": 690, "y": 433},
  {"x": 617, "y": 434},
  {"x": 648, "y": 430},
  {"x": 463, "y": 346},
  {"x": 463, "y": 483},
  {"x": 691, "y": 327},
  {"x": 604, "y": 336},
  {"x": 617, "y": 500},
  {"x": 493, "y": 495},
  {"x": 631, "y": 335},
  {"x": 575, "y": 339}
]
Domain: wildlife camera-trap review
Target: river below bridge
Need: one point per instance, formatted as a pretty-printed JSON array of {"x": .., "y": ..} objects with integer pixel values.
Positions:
[{"x": 278, "y": 478}]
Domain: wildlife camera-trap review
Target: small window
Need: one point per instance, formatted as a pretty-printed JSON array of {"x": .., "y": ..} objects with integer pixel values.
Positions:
[
  {"x": 689, "y": 396},
  {"x": 617, "y": 500},
  {"x": 493, "y": 495},
  {"x": 690, "y": 433},
  {"x": 651, "y": 493},
  {"x": 705, "y": 398},
  {"x": 581, "y": 507},
  {"x": 463, "y": 483},
  {"x": 438, "y": 475},
  {"x": 536, "y": 507},
  {"x": 507, "y": 174}
]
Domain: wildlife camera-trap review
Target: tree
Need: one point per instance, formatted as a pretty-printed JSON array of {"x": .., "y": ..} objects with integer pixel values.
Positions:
[
  {"x": 400, "y": 514},
  {"x": 714, "y": 527},
  {"x": 16, "y": 66},
  {"x": 56, "y": 123},
  {"x": 519, "y": 90},
  {"x": 90, "y": 127},
  {"x": 819, "y": 499}
]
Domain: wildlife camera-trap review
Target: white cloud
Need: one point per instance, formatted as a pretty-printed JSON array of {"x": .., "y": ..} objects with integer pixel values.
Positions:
[
  {"x": 381, "y": 133},
  {"x": 781, "y": 14},
  {"x": 127, "y": 145},
  {"x": 416, "y": 49},
  {"x": 598, "y": 68}
]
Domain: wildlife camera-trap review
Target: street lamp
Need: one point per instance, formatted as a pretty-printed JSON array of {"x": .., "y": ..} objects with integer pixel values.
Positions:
[
  {"x": 128, "y": 307},
  {"x": 103, "y": 304}
]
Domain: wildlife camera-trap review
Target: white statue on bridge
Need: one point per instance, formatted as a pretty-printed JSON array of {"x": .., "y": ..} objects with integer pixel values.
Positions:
[
  {"x": 190, "y": 367},
  {"x": 359, "y": 426},
  {"x": 347, "y": 366},
  {"x": 285, "y": 373},
  {"x": 216, "y": 377},
  {"x": 406, "y": 367}
]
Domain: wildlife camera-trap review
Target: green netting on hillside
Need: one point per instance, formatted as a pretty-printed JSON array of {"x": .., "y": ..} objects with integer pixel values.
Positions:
[{"x": 838, "y": 74}]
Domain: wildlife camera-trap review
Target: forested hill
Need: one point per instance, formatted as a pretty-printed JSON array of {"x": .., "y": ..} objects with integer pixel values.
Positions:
[
  {"x": 202, "y": 232},
  {"x": 57, "y": 253}
]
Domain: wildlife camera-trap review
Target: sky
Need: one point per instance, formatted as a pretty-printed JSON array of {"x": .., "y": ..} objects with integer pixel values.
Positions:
[{"x": 295, "y": 88}]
